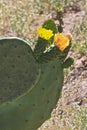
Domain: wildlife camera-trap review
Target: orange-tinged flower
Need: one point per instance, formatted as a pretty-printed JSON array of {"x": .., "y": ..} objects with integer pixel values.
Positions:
[{"x": 61, "y": 41}]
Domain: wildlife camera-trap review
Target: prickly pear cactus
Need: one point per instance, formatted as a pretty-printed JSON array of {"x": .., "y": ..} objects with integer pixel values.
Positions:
[{"x": 30, "y": 80}]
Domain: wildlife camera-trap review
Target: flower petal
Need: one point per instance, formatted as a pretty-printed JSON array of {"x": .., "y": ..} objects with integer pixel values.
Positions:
[
  {"x": 61, "y": 41},
  {"x": 44, "y": 33}
]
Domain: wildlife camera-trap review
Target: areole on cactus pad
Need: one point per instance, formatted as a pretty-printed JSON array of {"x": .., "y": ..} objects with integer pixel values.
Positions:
[{"x": 30, "y": 80}]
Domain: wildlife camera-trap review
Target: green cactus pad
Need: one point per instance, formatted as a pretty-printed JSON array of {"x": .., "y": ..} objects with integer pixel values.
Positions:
[
  {"x": 18, "y": 69},
  {"x": 28, "y": 90},
  {"x": 32, "y": 109}
]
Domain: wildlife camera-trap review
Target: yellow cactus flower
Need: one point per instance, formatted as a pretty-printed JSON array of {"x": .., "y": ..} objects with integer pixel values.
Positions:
[
  {"x": 61, "y": 41},
  {"x": 44, "y": 33}
]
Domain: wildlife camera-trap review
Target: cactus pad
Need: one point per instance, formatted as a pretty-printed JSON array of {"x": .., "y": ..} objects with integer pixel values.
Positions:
[
  {"x": 32, "y": 109},
  {"x": 30, "y": 80},
  {"x": 18, "y": 69},
  {"x": 35, "y": 86}
]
